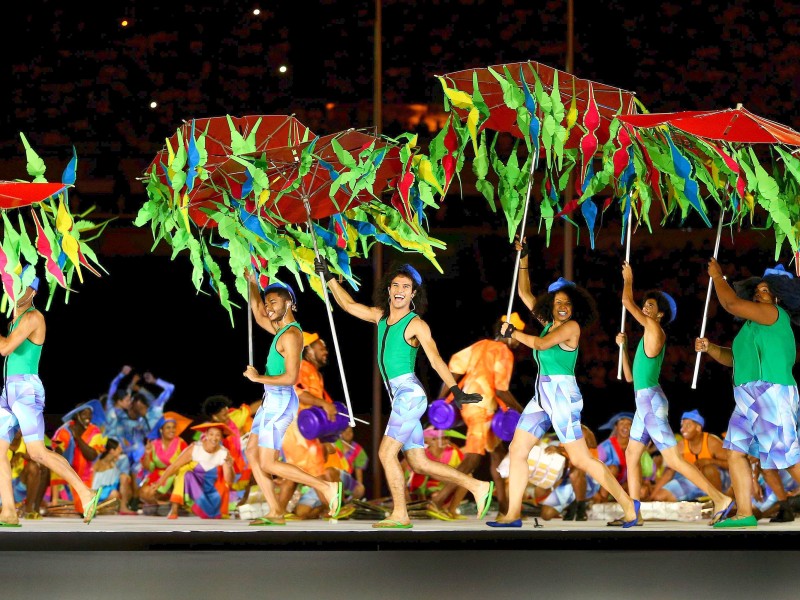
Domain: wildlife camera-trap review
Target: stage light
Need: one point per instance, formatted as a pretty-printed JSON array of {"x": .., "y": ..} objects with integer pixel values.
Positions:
[
  {"x": 256, "y": 11},
  {"x": 283, "y": 69},
  {"x": 153, "y": 104},
  {"x": 124, "y": 22}
]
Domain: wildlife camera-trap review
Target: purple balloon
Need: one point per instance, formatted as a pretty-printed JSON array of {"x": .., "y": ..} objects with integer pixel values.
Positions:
[
  {"x": 313, "y": 423},
  {"x": 504, "y": 423},
  {"x": 441, "y": 414}
]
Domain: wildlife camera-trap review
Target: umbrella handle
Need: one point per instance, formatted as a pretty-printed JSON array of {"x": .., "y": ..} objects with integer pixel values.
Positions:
[
  {"x": 708, "y": 300},
  {"x": 249, "y": 325},
  {"x": 624, "y": 312},
  {"x": 511, "y": 295}
]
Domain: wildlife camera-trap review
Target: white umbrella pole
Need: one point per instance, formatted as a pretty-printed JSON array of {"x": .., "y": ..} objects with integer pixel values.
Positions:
[
  {"x": 249, "y": 324},
  {"x": 534, "y": 163},
  {"x": 627, "y": 260},
  {"x": 330, "y": 318},
  {"x": 708, "y": 300}
]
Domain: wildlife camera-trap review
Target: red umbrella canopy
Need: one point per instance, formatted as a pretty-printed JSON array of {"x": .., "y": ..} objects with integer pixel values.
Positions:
[
  {"x": 735, "y": 125},
  {"x": 16, "y": 194},
  {"x": 609, "y": 100},
  {"x": 290, "y": 180},
  {"x": 227, "y": 135}
]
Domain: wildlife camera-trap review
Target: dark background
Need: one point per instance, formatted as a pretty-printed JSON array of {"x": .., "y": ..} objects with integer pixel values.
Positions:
[{"x": 75, "y": 77}]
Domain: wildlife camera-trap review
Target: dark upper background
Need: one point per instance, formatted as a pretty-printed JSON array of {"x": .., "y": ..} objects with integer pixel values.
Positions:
[{"x": 76, "y": 77}]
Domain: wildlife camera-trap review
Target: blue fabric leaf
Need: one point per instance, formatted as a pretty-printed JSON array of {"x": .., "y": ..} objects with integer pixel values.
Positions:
[{"x": 589, "y": 211}]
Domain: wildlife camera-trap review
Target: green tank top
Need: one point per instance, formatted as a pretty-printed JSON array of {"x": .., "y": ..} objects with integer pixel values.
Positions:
[
  {"x": 555, "y": 360},
  {"x": 765, "y": 352},
  {"x": 24, "y": 360},
  {"x": 646, "y": 370},
  {"x": 276, "y": 365},
  {"x": 395, "y": 355}
]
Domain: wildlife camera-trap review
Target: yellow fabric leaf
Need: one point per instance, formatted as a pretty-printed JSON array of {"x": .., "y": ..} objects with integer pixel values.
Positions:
[
  {"x": 426, "y": 172},
  {"x": 63, "y": 220},
  {"x": 472, "y": 126},
  {"x": 70, "y": 247}
]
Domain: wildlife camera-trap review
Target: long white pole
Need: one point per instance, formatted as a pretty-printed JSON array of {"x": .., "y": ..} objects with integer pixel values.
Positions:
[
  {"x": 534, "y": 163},
  {"x": 249, "y": 325},
  {"x": 708, "y": 300},
  {"x": 330, "y": 317},
  {"x": 629, "y": 225}
]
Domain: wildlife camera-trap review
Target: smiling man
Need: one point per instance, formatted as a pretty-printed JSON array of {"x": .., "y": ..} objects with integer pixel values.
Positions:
[
  {"x": 401, "y": 332},
  {"x": 652, "y": 409}
]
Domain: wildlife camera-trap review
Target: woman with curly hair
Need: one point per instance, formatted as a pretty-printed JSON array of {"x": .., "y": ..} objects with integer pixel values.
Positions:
[
  {"x": 564, "y": 310},
  {"x": 764, "y": 422}
]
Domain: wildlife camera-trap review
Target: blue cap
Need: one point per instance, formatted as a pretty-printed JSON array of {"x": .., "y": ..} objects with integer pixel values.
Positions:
[
  {"x": 33, "y": 284},
  {"x": 694, "y": 416},
  {"x": 279, "y": 285},
  {"x": 673, "y": 307},
  {"x": 74, "y": 412},
  {"x": 778, "y": 270},
  {"x": 560, "y": 283},
  {"x": 613, "y": 420},
  {"x": 415, "y": 276},
  {"x": 155, "y": 432}
]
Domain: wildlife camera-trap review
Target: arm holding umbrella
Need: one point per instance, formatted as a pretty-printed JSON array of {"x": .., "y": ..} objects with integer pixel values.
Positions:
[{"x": 371, "y": 314}]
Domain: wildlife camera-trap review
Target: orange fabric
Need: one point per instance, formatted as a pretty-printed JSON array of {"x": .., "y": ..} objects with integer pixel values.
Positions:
[
  {"x": 310, "y": 380},
  {"x": 309, "y": 455},
  {"x": 692, "y": 458},
  {"x": 93, "y": 438},
  {"x": 480, "y": 437},
  {"x": 487, "y": 366},
  {"x": 336, "y": 460},
  {"x": 241, "y": 417}
]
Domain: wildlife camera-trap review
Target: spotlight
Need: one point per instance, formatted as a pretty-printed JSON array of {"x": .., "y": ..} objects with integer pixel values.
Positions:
[
  {"x": 153, "y": 104},
  {"x": 283, "y": 69}
]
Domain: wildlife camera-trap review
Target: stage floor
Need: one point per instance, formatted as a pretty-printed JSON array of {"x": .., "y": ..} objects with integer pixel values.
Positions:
[{"x": 151, "y": 557}]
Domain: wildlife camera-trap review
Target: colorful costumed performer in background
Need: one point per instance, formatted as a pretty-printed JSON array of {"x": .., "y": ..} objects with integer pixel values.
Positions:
[
  {"x": 164, "y": 446},
  {"x": 764, "y": 422},
  {"x": 650, "y": 421}
]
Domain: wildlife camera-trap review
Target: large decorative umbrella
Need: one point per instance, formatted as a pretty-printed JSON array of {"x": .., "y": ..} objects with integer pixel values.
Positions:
[
  {"x": 529, "y": 101},
  {"x": 251, "y": 205},
  {"x": 723, "y": 139},
  {"x": 58, "y": 236}
]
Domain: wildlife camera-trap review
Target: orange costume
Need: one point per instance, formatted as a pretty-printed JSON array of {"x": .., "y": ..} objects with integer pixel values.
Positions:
[
  {"x": 309, "y": 455},
  {"x": 487, "y": 367},
  {"x": 64, "y": 443}
]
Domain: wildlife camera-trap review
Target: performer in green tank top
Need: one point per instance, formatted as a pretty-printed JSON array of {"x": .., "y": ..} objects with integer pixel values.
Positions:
[
  {"x": 652, "y": 409},
  {"x": 279, "y": 408},
  {"x": 401, "y": 332},
  {"x": 563, "y": 310},
  {"x": 22, "y": 405},
  {"x": 764, "y": 422}
]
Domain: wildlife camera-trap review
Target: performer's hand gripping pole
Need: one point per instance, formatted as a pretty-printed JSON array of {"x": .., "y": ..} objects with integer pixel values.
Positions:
[
  {"x": 629, "y": 225},
  {"x": 330, "y": 316},
  {"x": 511, "y": 296},
  {"x": 708, "y": 300}
]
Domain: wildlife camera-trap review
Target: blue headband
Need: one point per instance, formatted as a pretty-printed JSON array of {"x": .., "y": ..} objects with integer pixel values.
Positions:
[
  {"x": 560, "y": 283},
  {"x": 779, "y": 271},
  {"x": 693, "y": 415},
  {"x": 278, "y": 285},
  {"x": 35, "y": 282},
  {"x": 415, "y": 276},
  {"x": 613, "y": 420},
  {"x": 673, "y": 307}
]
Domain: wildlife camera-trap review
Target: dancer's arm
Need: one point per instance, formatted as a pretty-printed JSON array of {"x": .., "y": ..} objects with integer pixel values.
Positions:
[
  {"x": 524, "y": 278},
  {"x": 568, "y": 334},
  {"x": 290, "y": 345},
  {"x": 256, "y": 305},
  {"x": 719, "y": 454},
  {"x": 184, "y": 459},
  {"x": 654, "y": 336},
  {"x": 622, "y": 342},
  {"x": 344, "y": 300},
  {"x": 759, "y": 312},
  {"x": 722, "y": 355},
  {"x": 419, "y": 329},
  {"x": 28, "y": 323}
]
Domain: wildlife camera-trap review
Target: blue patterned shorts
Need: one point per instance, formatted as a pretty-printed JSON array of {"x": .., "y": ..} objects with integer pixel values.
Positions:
[
  {"x": 273, "y": 417},
  {"x": 651, "y": 419},
  {"x": 558, "y": 403},
  {"x": 409, "y": 403},
  {"x": 764, "y": 424},
  {"x": 22, "y": 407}
]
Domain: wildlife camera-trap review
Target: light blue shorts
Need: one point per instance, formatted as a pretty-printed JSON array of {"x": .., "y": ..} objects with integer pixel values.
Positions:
[
  {"x": 560, "y": 497},
  {"x": 651, "y": 419},
  {"x": 22, "y": 407},
  {"x": 685, "y": 490},
  {"x": 274, "y": 416},
  {"x": 764, "y": 424},
  {"x": 409, "y": 403},
  {"x": 558, "y": 403}
]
